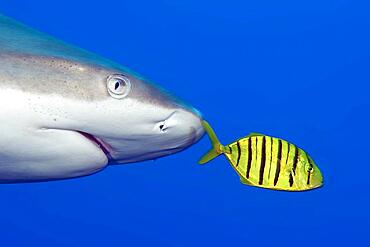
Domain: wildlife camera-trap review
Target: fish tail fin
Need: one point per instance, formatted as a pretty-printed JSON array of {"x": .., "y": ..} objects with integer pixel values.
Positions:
[
  {"x": 210, "y": 155},
  {"x": 217, "y": 147}
]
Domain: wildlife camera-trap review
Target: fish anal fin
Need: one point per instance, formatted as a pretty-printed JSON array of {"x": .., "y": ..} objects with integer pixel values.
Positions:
[{"x": 245, "y": 181}]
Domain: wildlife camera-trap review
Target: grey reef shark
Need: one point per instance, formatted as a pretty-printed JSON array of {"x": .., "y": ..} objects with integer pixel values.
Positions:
[{"x": 66, "y": 112}]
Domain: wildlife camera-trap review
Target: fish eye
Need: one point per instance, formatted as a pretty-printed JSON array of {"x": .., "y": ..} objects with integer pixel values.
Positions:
[
  {"x": 118, "y": 86},
  {"x": 309, "y": 168}
]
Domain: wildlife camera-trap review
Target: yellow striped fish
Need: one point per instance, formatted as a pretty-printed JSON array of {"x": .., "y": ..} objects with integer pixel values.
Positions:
[{"x": 267, "y": 162}]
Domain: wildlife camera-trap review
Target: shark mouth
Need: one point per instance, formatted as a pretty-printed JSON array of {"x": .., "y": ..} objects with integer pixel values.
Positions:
[{"x": 98, "y": 142}]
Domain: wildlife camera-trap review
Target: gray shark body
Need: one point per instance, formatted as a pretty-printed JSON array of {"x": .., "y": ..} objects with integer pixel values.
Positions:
[{"x": 66, "y": 112}]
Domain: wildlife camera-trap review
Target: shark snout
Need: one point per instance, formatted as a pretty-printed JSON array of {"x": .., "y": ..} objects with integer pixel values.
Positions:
[
  {"x": 183, "y": 126},
  {"x": 177, "y": 130}
]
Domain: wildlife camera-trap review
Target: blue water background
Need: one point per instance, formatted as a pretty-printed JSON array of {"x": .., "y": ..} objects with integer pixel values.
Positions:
[{"x": 299, "y": 70}]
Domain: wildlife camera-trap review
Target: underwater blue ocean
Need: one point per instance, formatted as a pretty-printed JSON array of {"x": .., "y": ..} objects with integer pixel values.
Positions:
[{"x": 299, "y": 70}]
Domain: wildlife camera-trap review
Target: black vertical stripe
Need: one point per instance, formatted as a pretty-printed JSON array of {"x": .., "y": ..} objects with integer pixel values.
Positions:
[
  {"x": 239, "y": 153},
  {"x": 263, "y": 160},
  {"x": 295, "y": 159},
  {"x": 256, "y": 153},
  {"x": 291, "y": 181},
  {"x": 230, "y": 149},
  {"x": 277, "y": 172},
  {"x": 287, "y": 155},
  {"x": 309, "y": 172},
  {"x": 272, "y": 142},
  {"x": 249, "y": 156}
]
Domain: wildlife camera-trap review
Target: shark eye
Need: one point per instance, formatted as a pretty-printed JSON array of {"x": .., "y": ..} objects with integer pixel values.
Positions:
[{"x": 118, "y": 86}]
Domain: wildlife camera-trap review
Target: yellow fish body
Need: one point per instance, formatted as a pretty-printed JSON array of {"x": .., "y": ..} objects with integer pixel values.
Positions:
[{"x": 267, "y": 162}]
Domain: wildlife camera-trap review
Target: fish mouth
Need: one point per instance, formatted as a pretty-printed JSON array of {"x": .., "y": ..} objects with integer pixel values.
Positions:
[{"x": 318, "y": 186}]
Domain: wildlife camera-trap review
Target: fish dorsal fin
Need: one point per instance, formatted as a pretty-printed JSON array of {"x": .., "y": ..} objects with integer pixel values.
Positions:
[{"x": 254, "y": 134}]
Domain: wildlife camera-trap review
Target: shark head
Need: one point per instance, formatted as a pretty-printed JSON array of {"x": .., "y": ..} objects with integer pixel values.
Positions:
[
  {"x": 68, "y": 112},
  {"x": 134, "y": 120},
  {"x": 130, "y": 118}
]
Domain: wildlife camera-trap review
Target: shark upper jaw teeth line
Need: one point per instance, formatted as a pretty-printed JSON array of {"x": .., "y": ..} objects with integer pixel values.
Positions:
[{"x": 101, "y": 144}]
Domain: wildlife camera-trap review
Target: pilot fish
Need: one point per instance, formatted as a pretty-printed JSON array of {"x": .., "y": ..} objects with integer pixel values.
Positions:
[{"x": 267, "y": 162}]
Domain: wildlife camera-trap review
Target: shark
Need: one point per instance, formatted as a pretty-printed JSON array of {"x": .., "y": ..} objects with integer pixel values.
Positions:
[{"x": 66, "y": 112}]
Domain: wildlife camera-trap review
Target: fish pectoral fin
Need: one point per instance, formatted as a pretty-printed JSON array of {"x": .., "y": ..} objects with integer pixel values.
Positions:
[
  {"x": 245, "y": 181},
  {"x": 254, "y": 134}
]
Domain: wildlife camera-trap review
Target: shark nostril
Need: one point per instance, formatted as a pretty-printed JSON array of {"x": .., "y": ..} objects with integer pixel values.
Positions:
[
  {"x": 163, "y": 127},
  {"x": 165, "y": 123}
]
